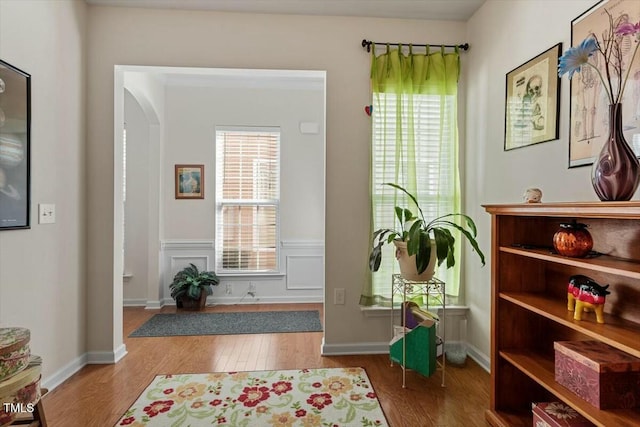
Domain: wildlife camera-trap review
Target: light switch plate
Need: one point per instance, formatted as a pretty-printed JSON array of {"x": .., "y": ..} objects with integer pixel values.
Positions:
[{"x": 46, "y": 213}]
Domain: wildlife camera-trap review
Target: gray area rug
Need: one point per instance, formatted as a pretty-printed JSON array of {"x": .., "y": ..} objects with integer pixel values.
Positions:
[{"x": 258, "y": 322}]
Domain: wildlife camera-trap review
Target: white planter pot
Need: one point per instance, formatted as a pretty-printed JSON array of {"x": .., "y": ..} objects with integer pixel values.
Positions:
[{"x": 407, "y": 263}]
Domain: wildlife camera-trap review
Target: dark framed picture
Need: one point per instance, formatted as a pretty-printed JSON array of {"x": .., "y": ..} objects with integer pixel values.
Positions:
[
  {"x": 532, "y": 101},
  {"x": 15, "y": 133},
  {"x": 589, "y": 102},
  {"x": 189, "y": 181}
]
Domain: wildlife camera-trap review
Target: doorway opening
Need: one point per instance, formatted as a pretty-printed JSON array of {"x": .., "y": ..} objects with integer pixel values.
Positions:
[{"x": 171, "y": 116}]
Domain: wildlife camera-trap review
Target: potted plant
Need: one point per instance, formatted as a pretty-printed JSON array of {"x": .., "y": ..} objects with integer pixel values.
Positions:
[
  {"x": 190, "y": 287},
  {"x": 420, "y": 243}
]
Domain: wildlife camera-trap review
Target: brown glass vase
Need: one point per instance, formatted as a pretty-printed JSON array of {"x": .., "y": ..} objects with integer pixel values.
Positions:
[
  {"x": 614, "y": 174},
  {"x": 573, "y": 240}
]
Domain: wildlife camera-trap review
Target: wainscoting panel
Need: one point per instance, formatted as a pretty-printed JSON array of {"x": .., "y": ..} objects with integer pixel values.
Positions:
[
  {"x": 305, "y": 272},
  {"x": 178, "y": 262},
  {"x": 301, "y": 279},
  {"x": 177, "y": 254}
]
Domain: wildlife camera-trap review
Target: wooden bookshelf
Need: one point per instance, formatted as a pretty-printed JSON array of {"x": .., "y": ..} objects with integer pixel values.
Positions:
[{"x": 529, "y": 302}]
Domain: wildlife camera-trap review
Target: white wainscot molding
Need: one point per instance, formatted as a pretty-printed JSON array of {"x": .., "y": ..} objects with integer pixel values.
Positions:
[
  {"x": 303, "y": 261},
  {"x": 176, "y": 255},
  {"x": 301, "y": 279}
]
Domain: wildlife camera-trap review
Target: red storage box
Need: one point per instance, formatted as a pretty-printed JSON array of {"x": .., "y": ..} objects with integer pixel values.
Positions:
[
  {"x": 557, "y": 414},
  {"x": 600, "y": 374}
]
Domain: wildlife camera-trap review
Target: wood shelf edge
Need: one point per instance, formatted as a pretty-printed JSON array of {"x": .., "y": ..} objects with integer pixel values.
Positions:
[
  {"x": 602, "y": 264},
  {"x": 601, "y": 332},
  {"x": 503, "y": 419},
  {"x": 541, "y": 370},
  {"x": 580, "y": 209}
]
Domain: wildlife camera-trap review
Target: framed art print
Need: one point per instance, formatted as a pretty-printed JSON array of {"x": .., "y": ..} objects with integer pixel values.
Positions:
[
  {"x": 189, "y": 181},
  {"x": 532, "y": 101},
  {"x": 15, "y": 131},
  {"x": 589, "y": 102}
]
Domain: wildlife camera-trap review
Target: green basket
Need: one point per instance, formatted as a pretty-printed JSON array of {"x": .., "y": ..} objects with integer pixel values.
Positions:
[{"x": 420, "y": 350}]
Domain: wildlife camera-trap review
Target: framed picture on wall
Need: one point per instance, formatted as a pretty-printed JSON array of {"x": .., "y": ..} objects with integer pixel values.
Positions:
[
  {"x": 189, "y": 181},
  {"x": 15, "y": 133},
  {"x": 532, "y": 101},
  {"x": 589, "y": 102}
]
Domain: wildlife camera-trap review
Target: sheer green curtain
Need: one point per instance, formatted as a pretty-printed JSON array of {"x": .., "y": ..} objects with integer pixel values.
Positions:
[{"x": 415, "y": 145}]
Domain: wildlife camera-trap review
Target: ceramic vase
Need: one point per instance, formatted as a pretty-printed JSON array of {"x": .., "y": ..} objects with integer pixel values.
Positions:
[{"x": 615, "y": 173}]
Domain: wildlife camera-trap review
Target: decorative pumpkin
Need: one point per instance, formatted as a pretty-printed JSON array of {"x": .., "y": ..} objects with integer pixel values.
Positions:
[{"x": 573, "y": 240}]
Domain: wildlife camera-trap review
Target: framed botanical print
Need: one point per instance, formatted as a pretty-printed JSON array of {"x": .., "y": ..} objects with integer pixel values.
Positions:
[
  {"x": 589, "y": 101},
  {"x": 532, "y": 101}
]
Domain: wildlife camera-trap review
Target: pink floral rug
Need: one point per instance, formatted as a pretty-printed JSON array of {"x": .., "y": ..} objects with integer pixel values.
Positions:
[{"x": 308, "y": 398}]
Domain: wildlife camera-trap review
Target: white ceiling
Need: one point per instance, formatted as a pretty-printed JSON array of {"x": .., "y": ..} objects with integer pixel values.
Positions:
[{"x": 448, "y": 10}]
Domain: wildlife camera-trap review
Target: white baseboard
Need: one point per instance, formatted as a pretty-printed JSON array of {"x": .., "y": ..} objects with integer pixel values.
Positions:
[
  {"x": 265, "y": 300},
  {"x": 139, "y": 302},
  {"x": 154, "y": 305},
  {"x": 252, "y": 300},
  {"x": 354, "y": 349},
  {"x": 480, "y": 358},
  {"x": 383, "y": 348},
  {"x": 134, "y": 302},
  {"x": 120, "y": 353},
  {"x": 90, "y": 358},
  {"x": 106, "y": 357},
  {"x": 63, "y": 374}
]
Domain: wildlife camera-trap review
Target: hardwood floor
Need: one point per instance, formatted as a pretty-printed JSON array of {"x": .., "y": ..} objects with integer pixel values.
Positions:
[{"x": 98, "y": 395}]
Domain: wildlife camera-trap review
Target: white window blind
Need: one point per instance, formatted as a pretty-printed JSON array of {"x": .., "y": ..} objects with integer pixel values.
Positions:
[
  {"x": 247, "y": 199},
  {"x": 423, "y": 140}
]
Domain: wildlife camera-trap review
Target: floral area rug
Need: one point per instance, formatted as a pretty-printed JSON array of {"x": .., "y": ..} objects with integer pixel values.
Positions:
[{"x": 310, "y": 397}]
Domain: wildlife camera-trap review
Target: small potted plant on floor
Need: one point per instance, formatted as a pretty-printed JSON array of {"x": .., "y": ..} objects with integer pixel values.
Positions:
[
  {"x": 190, "y": 287},
  {"x": 420, "y": 243}
]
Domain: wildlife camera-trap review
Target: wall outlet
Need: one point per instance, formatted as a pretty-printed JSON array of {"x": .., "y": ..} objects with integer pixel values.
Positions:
[
  {"x": 338, "y": 296},
  {"x": 252, "y": 288},
  {"x": 46, "y": 213},
  {"x": 229, "y": 289}
]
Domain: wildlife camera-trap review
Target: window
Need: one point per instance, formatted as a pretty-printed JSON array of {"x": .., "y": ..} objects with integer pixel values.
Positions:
[
  {"x": 247, "y": 200},
  {"x": 414, "y": 138}
]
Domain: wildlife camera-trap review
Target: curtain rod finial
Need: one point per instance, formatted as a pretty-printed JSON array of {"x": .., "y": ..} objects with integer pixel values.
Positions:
[{"x": 367, "y": 43}]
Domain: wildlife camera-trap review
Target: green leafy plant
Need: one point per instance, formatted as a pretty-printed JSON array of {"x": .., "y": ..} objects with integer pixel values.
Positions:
[
  {"x": 189, "y": 282},
  {"x": 420, "y": 233}
]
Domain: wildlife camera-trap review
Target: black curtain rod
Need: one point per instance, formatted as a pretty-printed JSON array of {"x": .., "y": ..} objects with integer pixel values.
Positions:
[{"x": 367, "y": 44}]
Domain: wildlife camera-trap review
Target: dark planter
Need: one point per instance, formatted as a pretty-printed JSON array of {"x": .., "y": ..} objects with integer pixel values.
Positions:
[{"x": 186, "y": 303}]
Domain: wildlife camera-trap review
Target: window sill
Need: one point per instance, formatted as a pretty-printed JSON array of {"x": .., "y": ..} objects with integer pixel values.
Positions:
[
  {"x": 254, "y": 275},
  {"x": 378, "y": 311}
]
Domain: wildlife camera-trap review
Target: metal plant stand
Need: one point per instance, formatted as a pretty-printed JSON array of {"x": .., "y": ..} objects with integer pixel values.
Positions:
[{"x": 433, "y": 293}]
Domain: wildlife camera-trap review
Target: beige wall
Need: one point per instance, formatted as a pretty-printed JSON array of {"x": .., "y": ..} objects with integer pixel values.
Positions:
[
  {"x": 42, "y": 270},
  {"x": 504, "y": 35},
  {"x": 192, "y": 114},
  {"x": 207, "y": 39}
]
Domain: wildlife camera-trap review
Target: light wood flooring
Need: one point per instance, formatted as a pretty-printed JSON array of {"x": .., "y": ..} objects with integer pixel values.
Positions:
[{"x": 98, "y": 395}]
